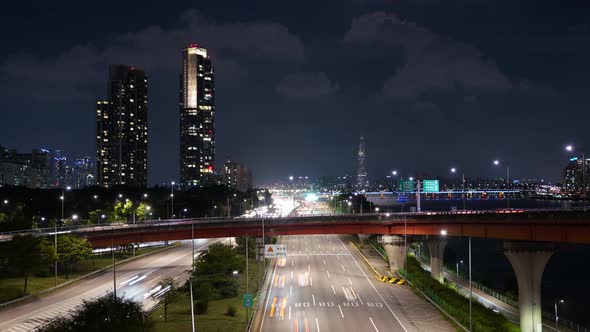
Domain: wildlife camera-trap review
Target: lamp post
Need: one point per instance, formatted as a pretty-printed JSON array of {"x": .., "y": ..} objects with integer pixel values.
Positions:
[
  {"x": 172, "y": 200},
  {"x": 507, "y": 164},
  {"x": 458, "y": 269},
  {"x": 557, "y": 317},
  {"x": 62, "y": 198},
  {"x": 570, "y": 148},
  {"x": 454, "y": 170}
]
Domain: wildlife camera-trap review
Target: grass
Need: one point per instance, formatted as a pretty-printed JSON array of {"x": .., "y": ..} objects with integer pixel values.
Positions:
[
  {"x": 12, "y": 288},
  {"x": 215, "y": 320}
]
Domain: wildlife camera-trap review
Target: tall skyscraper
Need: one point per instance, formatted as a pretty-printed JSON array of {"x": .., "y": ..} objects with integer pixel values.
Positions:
[
  {"x": 122, "y": 129},
  {"x": 237, "y": 176},
  {"x": 83, "y": 172},
  {"x": 197, "y": 118},
  {"x": 361, "y": 175}
]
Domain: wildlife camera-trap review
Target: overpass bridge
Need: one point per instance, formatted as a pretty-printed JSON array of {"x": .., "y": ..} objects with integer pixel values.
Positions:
[{"x": 529, "y": 236}]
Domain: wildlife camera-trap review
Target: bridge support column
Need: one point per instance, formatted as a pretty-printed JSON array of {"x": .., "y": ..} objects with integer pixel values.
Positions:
[
  {"x": 437, "y": 246},
  {"x": 395, "y": 249},
  {"x": 363, "y": 237},
  {"x": 528, "y": 261}
]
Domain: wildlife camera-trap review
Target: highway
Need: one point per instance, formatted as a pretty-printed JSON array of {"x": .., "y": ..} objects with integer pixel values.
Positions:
[
  {"x": 323, "y": 286},
  {"x": 135, "y": 280}
]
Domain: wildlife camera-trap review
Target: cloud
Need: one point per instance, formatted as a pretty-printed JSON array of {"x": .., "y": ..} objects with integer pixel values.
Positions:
[
  {"x": 155, "y": 49},
  {"x": 432, "y": 61},
  {"x": 306, "y": 84}
]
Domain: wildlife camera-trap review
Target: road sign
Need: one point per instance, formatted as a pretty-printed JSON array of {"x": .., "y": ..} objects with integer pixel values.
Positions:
[
  {"x": 275, "y": 250},
  {"x": 247, "y": 300},
  {"x": 406, "y": 185},
  {"x": 430, "y": 186}
]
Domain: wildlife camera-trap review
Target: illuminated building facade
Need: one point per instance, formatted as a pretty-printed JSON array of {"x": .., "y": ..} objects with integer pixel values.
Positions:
[
  {"x": 361, "y": 176},
  {"x": 122, "y": 129},
  {"x": 197, "y": 118},
  {"x": 30, "y": 170},
  {"x": 237, "y": 176}
]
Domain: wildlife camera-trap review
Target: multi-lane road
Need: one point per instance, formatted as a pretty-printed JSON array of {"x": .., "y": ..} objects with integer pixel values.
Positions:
[
  {"x": 323, "y": 286},
  {"x": 135, "y": 280}
]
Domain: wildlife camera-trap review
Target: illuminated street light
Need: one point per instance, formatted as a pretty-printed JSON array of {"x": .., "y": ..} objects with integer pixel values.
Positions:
[
  {"x": 507, "y": 164},
  {"x": 443, "y": 232},
  {"x": 453, "y": 170},
  {"x": 394, "y": 173},
  {"x": 411, "y": 178},
  {"x": 95, "y": 197},
  {"x": 556, "y": 316},
  {"x": 145, "y": 195},
  {"x": 5, "y": 201},
  {"x": 376, "y": 209},
  {"x": 75, "y": 217}
]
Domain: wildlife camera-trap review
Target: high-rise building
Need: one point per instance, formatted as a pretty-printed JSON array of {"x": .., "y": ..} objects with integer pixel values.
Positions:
[
  {"x": 58, "y": 169},
  {"x": 361, "y": 176},
  {"x": 237, "y": 176},
  {"x": 573, "y": 177},
  {"x": 197, "y": 118},
  {"x": 83, "y": 173},
  {"x": 24, "y": 169},
  {"x": 122, "y": 129}
]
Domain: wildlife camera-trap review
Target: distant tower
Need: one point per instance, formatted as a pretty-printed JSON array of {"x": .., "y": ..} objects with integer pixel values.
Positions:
[{"x": 361, "y": 175}]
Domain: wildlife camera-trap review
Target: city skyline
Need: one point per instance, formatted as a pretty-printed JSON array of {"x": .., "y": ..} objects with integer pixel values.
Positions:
[{"x": 297, "y": 99}]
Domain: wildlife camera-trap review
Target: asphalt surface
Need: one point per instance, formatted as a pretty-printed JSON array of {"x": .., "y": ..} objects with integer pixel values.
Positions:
[
  {"x": 135, "y": 280},
  {"x": 323, "y": 286}
]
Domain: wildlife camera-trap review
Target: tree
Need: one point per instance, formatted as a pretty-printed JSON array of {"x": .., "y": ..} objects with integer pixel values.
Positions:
[
  {"x": 241, "y": 246},
  {"x": 71, "y": 249},
  {"x": 170, "y": 293},
  {"x": 108, "y": 313},
  {"x": 25, "y": 255},
  {"x": 217, "y": 259}
]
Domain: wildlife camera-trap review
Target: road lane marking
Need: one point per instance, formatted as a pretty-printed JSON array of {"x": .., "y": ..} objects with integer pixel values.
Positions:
[
  {"x": 328, "y": 272},
  {"x": 359, "y": 297},
  {"x": 333, "y": 290},
  {"x": 341, "y": 313},
  {"x": 291, "y": 265},
  {"x": 289, "y": 312},
  {"x": 376, "y": 291},
  {"x": 291, "y": 275},
  {"x": 291, "y": 290},
  {"x": 323, "y": 260},
  {"x": 310, "y": 282},
  {"x": 343, "y": 269},
  {"x": 313, "y": 298},
  {"x": 376, "y": 329},
  {"x": 350, "y": 281},
  {"x": 317, "y": 324},
  {"x": 308, "y": 267}
]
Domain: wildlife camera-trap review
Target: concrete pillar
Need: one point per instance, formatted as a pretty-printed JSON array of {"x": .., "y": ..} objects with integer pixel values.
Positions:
[
  {"x": 528, "y": 261},
  {"x": 363, "y": 237},
  {"x": 437, "y": 246},
  {"x": 394, "y": 247}
]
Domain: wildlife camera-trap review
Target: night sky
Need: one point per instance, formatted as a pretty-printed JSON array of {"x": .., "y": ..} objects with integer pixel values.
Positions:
[{"x": 429, "y": 83}]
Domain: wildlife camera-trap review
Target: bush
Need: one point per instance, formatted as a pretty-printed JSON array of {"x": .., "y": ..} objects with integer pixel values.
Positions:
[
  {"x": 201, "y": 306},
  {"x": 231, "y": 311},
  {"x": 225, "y": 287}
]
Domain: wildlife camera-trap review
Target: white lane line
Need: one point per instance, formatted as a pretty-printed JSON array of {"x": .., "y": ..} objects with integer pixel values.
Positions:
[
  {"x": 268, "y": 296},
  {"x": 308, "y": 267},
  {"x": 343, "y": 269},
  {"x": 313, "y": 298},
  {"x": 328, "y": 272},
  {"x": 333, "y": 290},
  {"x": 291, "y": 290},
  {"x": 291, "y": 264},
  {"x": 317, "y": 324},
  {"x": 361, "y": 300},
  {"x": 291, "y": 275},
  {"x": 289, "y": 312},
  {"x": 341, "y": 313},
  {"x": 376, "y": 329},
  {"x": 376, "y": 291},
  {"x": 350, "y": 281},
  {"x": 324, "y": 261},
  {"x": 307, "y": 257},
  {"x": 310, "y": 282}
]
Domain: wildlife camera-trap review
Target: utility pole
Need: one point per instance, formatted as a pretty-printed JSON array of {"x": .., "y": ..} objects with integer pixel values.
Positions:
[
  {"x": 190, "y": 280},
  {"x": 114, "y": 273}
]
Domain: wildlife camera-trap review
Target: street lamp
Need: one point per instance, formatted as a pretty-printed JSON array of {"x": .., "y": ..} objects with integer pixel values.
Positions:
[
  {"x": 557, "y": 317},
  {"x": 507, "y": 164},
  {"x": 5, "y": 202},
  {"x": 376, "y": 209},
  {"x": 62, "y": 198},
  {"x": 570, "y": 148},
  {"x": 172, "y": 199},
  {"x": 454, "y": 170},
  {"x": 148, "y": 208},
  {"x": 458, "y": 270}
]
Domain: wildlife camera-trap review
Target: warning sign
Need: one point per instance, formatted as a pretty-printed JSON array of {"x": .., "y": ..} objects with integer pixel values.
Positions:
[{"x": 275, "y": 250}]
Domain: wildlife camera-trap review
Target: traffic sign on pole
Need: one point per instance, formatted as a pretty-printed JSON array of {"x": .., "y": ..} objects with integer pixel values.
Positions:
[
  {"x": 430, "y": 186},
  {"x": 275, "y": 251},
  {"x": 247, "y": 300}
]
